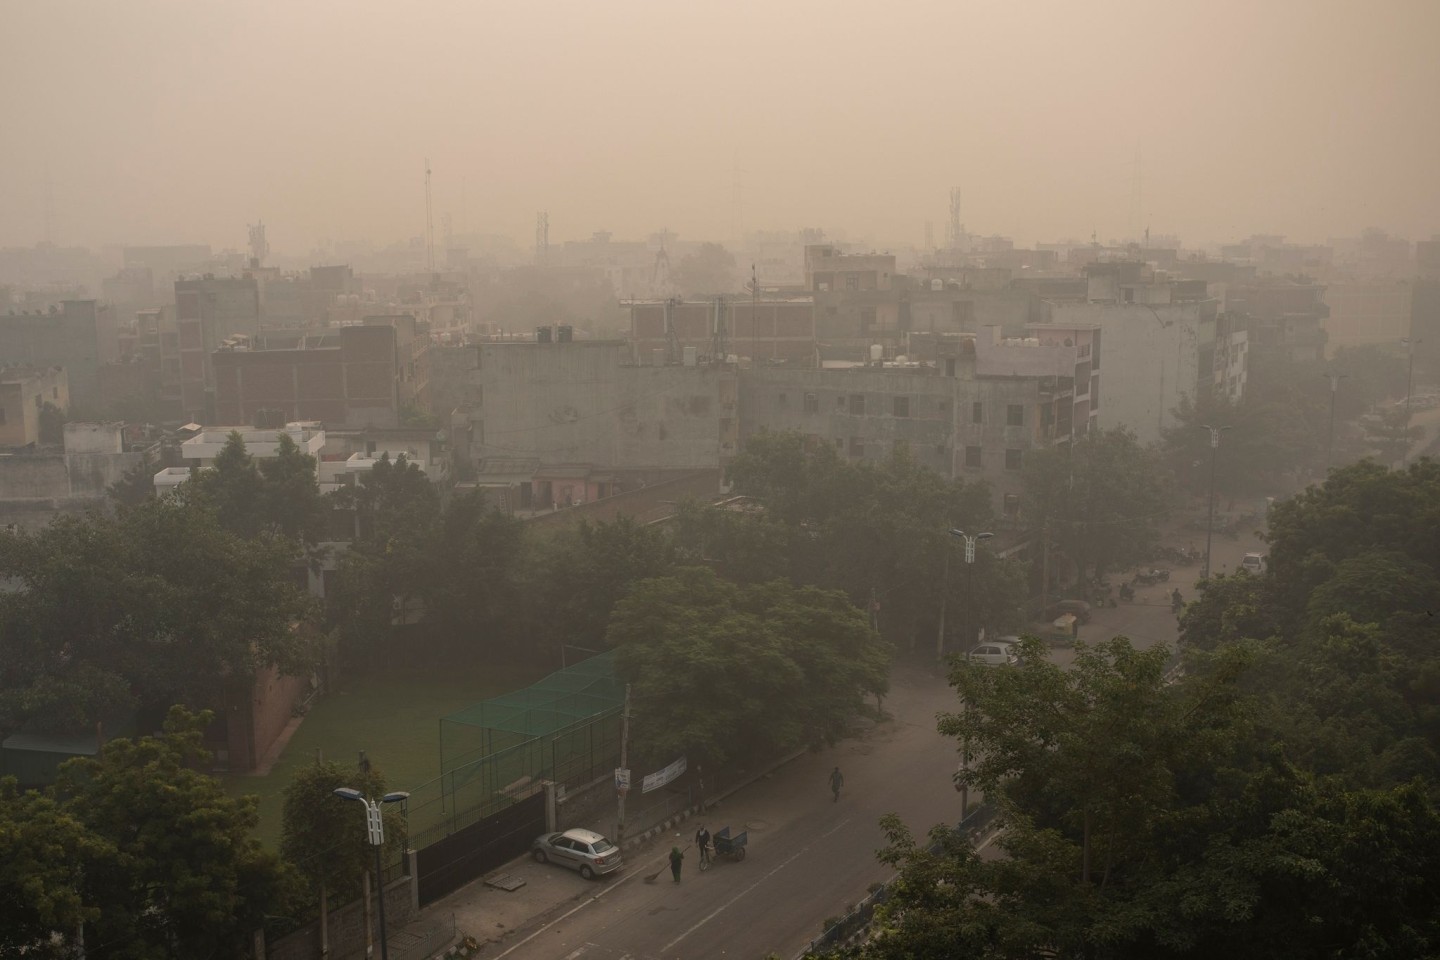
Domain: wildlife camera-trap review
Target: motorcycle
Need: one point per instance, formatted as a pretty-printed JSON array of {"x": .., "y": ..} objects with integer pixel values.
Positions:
[{"x": 1151, "y": 577}]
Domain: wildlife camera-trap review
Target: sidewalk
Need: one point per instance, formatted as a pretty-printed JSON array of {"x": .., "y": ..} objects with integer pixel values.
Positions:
[{"x": 490, "y": 914}]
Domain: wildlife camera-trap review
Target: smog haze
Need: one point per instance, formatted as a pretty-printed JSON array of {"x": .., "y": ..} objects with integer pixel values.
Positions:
[{"x": 155, "y": 122}]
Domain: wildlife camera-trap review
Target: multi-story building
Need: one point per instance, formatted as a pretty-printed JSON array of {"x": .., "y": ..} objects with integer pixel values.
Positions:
[
  {"x": 352, "y": 377},
  {"x": 24, "y": 391},
  {"x": 1285, "y": 316},
  {"x": 582, "y": 420},
  {"x": 771, "y": 330},
  {"x": 970, "y": 407},
  {"x": 1160, "y": 343},
  {"x": 208, "y": 311},
  {"x": 78, "y": 335},
  {"x": 1364, "y": 313}
]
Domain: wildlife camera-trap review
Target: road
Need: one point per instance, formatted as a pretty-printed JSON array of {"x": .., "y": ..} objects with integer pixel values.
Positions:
[{"x": 809, "y": 858}]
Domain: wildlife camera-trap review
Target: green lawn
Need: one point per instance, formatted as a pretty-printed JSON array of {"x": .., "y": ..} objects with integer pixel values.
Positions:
[{"x": 394, "y": 718}]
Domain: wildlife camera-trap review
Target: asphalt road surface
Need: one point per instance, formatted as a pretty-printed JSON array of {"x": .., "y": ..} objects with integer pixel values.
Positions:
[{"x": 808, "y": 858}]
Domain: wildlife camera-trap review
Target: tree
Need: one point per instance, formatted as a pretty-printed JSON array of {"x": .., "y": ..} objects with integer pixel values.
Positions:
[
  {"x": 1270, "y": 444},
  {"x": 188, "y": 879},
  {"x": 290, "y": 501},
  {"x": 743, "y": 546},
  {"x": 1101, "y": 498},
  {"x": 137, "y": 485},
  {"x": 232, "y": 487},
  {"x": 45, "y": 855},
  {"x": 707, "y": 272},
  {"x": 324, "y": 837},
  {"x": 158, "y": 602},
  {"x": 722, "y": 670}
]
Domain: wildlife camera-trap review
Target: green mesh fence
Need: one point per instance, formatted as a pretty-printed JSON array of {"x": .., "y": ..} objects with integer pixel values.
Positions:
[{"x": 565, "y": 728}]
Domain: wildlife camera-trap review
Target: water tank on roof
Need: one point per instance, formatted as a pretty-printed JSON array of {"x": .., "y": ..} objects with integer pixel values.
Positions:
[
  {"x": 877, "y": 352},
  {"x": 564, "y": 333},
  {"x": 691, "y": 355},
  {"x": 937, "y": 284},
  {"x": 542, "y": 334}
]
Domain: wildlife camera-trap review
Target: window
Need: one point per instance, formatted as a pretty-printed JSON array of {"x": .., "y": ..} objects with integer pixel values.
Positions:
[
  {"x": 812, "y": 403},
  {"x": 1014, "y": 415},
  {"x": 2, "y": 415},
  {"x": 857, "y": 404},
  {"x": 901, "y": 406},
  {"x": 977, "y": 413},
  {"x": 857, "y": 447},
  {"x": 1012, "y": 505},
  {"x": 1012, "y": 458},
  {"x": 54, "y": 393},
  {"x": 781, "y": 400},
  {"x": 974, "y": 457},
  {"x": 852, "y": 281},
  {"x": 840, "y": 401},
  {"x": 950, "y": 366}
]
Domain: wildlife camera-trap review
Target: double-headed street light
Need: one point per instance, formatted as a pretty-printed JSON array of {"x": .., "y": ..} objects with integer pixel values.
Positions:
[
  {"x": 375, "y": 828},
  {"x": 945, "y": 587},
  {"x": 1210, "y": 523}
]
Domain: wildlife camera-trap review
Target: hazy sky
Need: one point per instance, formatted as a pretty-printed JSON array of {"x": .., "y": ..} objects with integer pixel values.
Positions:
[{"x": 165, "y": 122}]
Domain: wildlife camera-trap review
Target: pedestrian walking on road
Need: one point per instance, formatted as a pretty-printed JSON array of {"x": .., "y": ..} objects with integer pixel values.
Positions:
[
  {"x": 702, "y": 843},
  {"x": 837, "y": 780},
  {"x": 676, "y": 858}
]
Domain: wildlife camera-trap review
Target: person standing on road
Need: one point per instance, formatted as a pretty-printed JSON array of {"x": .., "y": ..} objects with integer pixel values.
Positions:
[
  {"x": 837, "y": 780},
  {"x": 676, "y": 858},
  {"x": 702, "y": 843}
]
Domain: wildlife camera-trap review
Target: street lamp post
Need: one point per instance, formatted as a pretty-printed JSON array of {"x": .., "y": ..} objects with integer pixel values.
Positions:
[
  {"x": 1410, "y": 344},
  {"x": 970, "y": 542},
  {"x": 1334, "y": 379},
  {"x": 1210, "y": 523},
  {"x": 375, "y": 828}
]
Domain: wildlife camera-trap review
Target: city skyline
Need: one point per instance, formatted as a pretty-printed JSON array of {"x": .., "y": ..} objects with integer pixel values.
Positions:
[{"x": 168, "y": 123}]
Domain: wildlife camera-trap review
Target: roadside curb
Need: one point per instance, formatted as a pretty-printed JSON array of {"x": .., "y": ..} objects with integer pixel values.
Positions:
[{"x": 678, "y": 818}]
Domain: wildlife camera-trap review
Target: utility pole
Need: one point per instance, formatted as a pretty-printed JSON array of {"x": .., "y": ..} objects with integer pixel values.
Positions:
[
  {"x": 944, "y": 598},
  {"x": 1409, "y": 386},
  {"x": 1210, "y": 523},
  {"x": 622, "y": 776},
  {"x": 754, "y": 317},
  {"x": 1334, "y": 379}
]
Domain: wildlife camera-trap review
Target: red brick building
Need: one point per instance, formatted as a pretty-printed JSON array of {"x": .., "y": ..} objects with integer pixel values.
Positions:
[{"x": 352, "y": 377}]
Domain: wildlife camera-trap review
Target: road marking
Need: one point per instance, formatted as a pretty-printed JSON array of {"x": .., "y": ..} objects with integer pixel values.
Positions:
[
  {"x": 576, "y": 953},
  {"x": 731, "y": 902}
]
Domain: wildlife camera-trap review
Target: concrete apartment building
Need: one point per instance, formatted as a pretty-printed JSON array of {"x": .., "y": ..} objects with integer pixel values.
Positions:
[
  {"x": 682, "y": 331},
  {"x": 580, "y": 420},
  {"x": 974, "y": 408},
  {"x": 353, "y": 377},
  {"x": 78, "y": 335},
  {"x": 1159, "y": 338},
  {"x": 1368, "y": 313},
  {"x": 208, "y": 311},
  {"x": 24, "y": 390}
]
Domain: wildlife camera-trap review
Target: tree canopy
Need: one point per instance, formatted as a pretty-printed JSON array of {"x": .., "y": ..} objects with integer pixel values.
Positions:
[
  {"x": 721, "y": 670},
  {"x": 155, "y": 606},
  {"x": 152, "y": 857}
]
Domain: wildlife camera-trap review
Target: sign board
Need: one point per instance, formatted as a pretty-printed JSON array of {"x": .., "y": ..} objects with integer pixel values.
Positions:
[
  {"x": 622, "y": 779},
  {"x": 659, "y": 778}
]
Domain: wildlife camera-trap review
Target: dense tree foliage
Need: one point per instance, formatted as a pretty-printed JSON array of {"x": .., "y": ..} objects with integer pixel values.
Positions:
[
  {"x": 879, "y": 532},
  {"x": 325, "y": 838},
  {"x": 1277, "y": 800},
  {"x": 278, "y": 496},
  {"x": 1102, "y": 499},
  {"x": 153, "y": 858},
  {"x": 721, "y": 670},
  {"x": 155, "y": 606}
]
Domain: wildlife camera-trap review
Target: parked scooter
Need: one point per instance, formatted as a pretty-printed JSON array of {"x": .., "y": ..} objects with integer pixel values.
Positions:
[{"x": 1151, "y": 577}]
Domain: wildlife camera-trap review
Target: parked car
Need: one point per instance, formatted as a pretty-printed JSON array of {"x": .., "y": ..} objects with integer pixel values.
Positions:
[
  {"x": 994, "y": 654},
  {"x": 1253, "y": 563},
  {"x": 1077, "y": 608},
  {"x": 578, "y": 849}
]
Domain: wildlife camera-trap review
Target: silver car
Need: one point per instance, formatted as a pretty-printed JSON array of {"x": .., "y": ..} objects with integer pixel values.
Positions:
[
  {"x": 996, "y": 654},
  {"x": 578, "y": 849}
]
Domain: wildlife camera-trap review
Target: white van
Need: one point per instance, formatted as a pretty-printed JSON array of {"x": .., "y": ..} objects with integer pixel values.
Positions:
[{"x": 1253, "y": 563}]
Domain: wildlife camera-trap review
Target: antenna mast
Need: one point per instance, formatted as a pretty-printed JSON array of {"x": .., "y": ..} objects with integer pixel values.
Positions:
[{"x": 429, "y": 224}]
